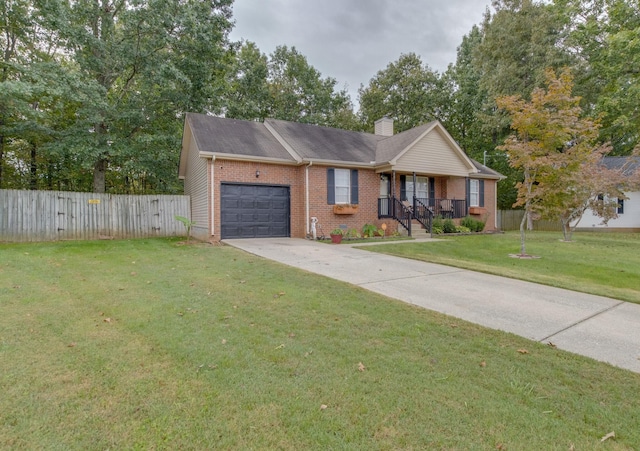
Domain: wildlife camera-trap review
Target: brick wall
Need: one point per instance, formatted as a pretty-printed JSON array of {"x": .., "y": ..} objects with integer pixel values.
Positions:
[
  {"x": 294, "y": 178},
  {"x": 270, "y": 174},
  {"x": 368, "y": 193}
]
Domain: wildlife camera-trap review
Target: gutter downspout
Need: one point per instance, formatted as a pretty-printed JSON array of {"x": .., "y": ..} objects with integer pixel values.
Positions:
[
  {"x": 212, "y": 186},
  {"x": 495, "y": 206},
  {"x": 306, "y": 196}
]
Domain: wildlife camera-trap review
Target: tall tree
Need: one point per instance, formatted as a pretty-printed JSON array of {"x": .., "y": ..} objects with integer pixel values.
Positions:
[
  {"x": 284, "y": 86},
  {"x": 299, "y": 93},
  {"x": 517, "y": 43},
  {"x": 556, "y": 150},
  {"x": 248, "y": 94},
  {"x": 407, "y": 91},
  {"x": 604, "y": 34},
  {"x": 151, "y": 61}
]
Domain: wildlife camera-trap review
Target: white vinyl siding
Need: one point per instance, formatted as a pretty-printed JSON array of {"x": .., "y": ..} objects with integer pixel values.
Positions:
[
  {"x": 630, "y": 219},
  {"x": 343, "y": 186},
  {"x": 196, "y": 185},
  {"x": 433, "y": 155}
]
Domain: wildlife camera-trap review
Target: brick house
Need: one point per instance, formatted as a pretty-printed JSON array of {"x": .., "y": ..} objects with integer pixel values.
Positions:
[{"x": 251, "y": 179}]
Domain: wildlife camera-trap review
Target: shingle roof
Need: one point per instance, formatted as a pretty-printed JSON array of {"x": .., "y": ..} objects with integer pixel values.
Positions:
[
  {"x": 313, "y": 142},
  {"x": 304, "y": 142},
  {"x": 628, "y": 164},
  {"x": 485, "y": 171},
  {"x": 236, "y": 137}
]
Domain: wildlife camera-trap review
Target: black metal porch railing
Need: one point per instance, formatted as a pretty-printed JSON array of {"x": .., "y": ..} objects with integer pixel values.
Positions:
[
  {"x": 422, "y": 213},
  {"x": 400, "y": 213},
  {"x": 422, "y": 209},
  {"x": 447, "y": 208}
]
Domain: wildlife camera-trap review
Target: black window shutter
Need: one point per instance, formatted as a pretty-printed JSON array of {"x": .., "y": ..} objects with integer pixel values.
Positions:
[
  {"x": 331, "y": 186},
  {"x": 403, "y": 187},
  {"x": 620, "y": 206},
  {"x": 432, "y": 188},
  {"x": 354, "y": 186},
  {"x": 468, "y": 192},
  {"x": 481, "y": 193}
]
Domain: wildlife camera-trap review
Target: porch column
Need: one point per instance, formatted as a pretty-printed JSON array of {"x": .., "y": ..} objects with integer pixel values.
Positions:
[
  {"x": 393, "y": 193},
  {"x": 393, "y": 183},
  {"x": 413, "y": 201}
]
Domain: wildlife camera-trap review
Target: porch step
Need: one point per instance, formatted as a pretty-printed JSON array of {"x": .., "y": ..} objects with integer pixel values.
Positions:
[{"x": 416, "y": 228}]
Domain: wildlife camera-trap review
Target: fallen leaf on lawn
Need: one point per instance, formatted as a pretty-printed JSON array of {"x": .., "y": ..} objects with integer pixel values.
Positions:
[
  {"x": 71, "y": 345},
  {"x": 361, "y": 367},
  {"x": 243, "y": 281},
  {"x": 323, "y": 406},
  {"x": 552, "y": 345},
  {"x": 107, "y": 320},
  {"x": 133, "y": 273},
  {"x": 224, "y": 342},
  {"x": 280, "y": 346},
  {"x": 483, "y": 364},
  {"x": 611, "y": 434},
  {"x": 282, "y": 293},
  {"x": 291, "y": 335},
  {"x": 523, "y": 351},
  {"x": 180, "y": 313},
  {"x": 500, "y": 446}
]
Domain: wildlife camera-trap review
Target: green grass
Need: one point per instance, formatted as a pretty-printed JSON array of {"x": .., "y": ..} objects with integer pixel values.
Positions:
[
  {"x": 150, "y": 344},
  {"x": 606, "y": 264}
]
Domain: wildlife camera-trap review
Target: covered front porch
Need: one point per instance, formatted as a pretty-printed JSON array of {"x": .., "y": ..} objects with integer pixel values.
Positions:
[{"x": 406, "y": 197}]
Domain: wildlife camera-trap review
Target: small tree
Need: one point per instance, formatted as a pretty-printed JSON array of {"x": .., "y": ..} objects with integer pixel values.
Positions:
[
  {"x": 556, "y": 151},
  {"x": 188, "y": 223}
]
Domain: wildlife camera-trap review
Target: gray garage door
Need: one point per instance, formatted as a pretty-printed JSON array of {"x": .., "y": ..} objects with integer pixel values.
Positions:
[{"x": 254, "y": 211}]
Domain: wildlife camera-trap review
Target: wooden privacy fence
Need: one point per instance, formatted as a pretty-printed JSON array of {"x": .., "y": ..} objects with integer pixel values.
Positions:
[
  {"x": 61, "y": 215},
  {"x": 510, "y": 220}
]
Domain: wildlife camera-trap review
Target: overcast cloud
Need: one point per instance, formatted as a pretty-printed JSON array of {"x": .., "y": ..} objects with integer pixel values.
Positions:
[{"x": 351, "y": 40}]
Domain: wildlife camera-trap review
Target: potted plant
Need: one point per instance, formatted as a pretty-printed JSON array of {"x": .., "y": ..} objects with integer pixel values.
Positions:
[{"x": 336, "y": 236}]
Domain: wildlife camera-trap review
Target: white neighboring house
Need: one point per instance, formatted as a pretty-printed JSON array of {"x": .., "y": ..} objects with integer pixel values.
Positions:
[{"x": 628, "y": 219}]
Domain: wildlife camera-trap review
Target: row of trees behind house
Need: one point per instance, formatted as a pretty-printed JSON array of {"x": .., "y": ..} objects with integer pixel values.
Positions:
[{"x": 93, "y": 92}]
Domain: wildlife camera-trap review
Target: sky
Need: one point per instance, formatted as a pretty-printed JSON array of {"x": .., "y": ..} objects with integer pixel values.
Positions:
[{"x": 351, "y": 40}]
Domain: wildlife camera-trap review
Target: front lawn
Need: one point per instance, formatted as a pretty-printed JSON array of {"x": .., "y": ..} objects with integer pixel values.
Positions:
[
  {"x": 606, "y": 264},
  {"x": 152, "y": 344}
]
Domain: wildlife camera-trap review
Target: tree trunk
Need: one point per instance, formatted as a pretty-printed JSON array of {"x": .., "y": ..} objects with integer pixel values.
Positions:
[
  {"x": 522, "y": 232},
  {"x": 99, "y": 175}
]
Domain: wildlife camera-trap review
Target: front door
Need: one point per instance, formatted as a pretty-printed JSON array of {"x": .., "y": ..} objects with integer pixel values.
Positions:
[{"x": 385, "y": 196}]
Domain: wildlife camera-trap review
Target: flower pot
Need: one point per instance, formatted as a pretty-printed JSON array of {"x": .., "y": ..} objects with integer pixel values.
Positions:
[
  {"x": 336, "y": 239},
  {"x": 345, "y": 209}
]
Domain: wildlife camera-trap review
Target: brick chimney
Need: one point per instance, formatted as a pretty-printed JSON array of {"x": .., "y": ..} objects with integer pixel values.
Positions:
[{"x": 384, "y": 126}]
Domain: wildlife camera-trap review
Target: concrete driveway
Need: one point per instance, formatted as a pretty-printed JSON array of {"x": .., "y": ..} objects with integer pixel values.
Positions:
[{"x": 598, "y": 327}]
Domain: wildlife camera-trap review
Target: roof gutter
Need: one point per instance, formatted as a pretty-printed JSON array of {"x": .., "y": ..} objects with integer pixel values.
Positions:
[{"x": 251, "y": 158}]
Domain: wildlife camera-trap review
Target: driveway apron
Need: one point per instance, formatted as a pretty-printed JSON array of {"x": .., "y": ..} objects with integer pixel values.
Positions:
[{"x": 604, "y": 329}]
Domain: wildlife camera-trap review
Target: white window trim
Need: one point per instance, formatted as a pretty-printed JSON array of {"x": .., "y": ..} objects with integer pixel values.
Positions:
[
  {"x": 347, "y": 186},
  {"x": 474, "y": 190}
]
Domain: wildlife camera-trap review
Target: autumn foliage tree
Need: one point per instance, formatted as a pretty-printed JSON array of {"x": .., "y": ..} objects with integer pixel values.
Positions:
[{"x": 558, "y": 153}]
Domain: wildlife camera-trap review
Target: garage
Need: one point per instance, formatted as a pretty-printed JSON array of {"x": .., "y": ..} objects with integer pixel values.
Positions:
[{"x": 254, "y": 211}]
